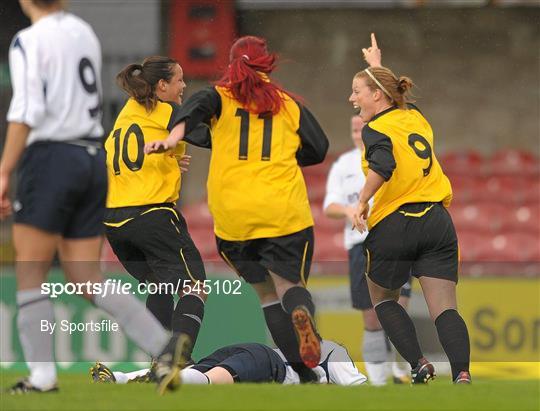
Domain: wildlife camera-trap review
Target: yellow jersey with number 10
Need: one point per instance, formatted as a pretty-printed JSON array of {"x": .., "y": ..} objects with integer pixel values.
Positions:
[
  {"x": 417, "y": 176},
  {"x": 137, "y": 179}
]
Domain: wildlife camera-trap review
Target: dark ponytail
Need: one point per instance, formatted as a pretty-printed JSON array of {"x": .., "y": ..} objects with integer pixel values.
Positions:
[{"x": 139, "y": 80}]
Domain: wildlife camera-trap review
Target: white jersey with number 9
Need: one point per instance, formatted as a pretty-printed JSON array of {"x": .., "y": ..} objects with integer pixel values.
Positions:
[{"x": 55, "y": 67}]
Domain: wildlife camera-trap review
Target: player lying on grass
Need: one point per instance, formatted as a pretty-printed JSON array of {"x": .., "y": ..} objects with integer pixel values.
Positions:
[{"x": 248, "y": 363}]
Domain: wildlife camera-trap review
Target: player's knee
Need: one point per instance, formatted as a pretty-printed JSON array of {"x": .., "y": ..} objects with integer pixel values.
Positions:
[{"x": 371, "y": 322}]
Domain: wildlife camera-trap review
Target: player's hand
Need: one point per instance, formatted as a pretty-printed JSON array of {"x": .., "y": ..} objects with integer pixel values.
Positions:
[
  {"x": 373, "y": 55},
  {"x": 183, "y": 162},
  {"x": 5, "y": 203},
  {"x": 349, "y": 213},
  {"x": 360, "y": 217},
  {"x": 156, "y": 147}
]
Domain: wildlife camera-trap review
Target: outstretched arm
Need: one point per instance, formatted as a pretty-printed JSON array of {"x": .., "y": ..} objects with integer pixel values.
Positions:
[{"x": 160, "y": 146}]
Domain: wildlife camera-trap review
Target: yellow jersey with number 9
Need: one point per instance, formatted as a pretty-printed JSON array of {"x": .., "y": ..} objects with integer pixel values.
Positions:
[
  {"x": 399, "y": 147},
  {"x": 137, "y": 179}
]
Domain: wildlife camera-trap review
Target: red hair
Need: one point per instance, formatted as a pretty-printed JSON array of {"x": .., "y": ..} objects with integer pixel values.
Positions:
[{"x": 246, "y": 76}]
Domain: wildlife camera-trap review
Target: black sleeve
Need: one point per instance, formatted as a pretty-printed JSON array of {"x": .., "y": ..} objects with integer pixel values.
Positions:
[
  {"x": 174, "y": 114},
  {"x": 314, "y": 140},
  {"x": 199, "y": 108},
  {"x": 379, "y": 154},
  {"x": 200, "y": 136}
]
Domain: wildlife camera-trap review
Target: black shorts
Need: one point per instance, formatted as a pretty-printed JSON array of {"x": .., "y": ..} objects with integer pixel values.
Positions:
[
  {"x": 154, "y": 246},
  {"x": 249, "y": 362},
  {"x": 357, "y": 276},
  {"x": 62, "y": 188},
  {"x": 288, "y": 256},
  {"x": 417, "y": 239}
]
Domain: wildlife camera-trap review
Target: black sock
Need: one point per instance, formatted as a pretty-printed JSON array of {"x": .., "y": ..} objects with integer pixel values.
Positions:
[
  {"x": 188, "y": 315},
  {"x": 282, "y": 331},
  {"x": 162, "y": 306},
  {"x": 296, "y": 296},
  {"x": 400, "y": 330},
  {"x": 454, "y": 338}
]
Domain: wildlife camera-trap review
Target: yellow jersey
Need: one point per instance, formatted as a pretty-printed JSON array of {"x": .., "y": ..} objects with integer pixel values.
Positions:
[
  {"x": 256, "y": 188},
  {"x": 136, "y": 179},
  {"x": 399, "y": 147}
]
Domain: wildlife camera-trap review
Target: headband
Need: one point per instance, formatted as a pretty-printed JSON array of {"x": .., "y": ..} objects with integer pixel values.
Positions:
[{"x": 378, "y": 84}]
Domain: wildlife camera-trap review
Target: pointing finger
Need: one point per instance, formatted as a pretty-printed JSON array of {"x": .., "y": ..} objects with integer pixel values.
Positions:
[{"x": 373, "y": 41}]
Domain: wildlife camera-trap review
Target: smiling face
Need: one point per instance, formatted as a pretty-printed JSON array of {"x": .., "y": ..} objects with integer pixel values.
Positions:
[
  {"x": 364, "y": 99},
  {"x": 173, "y": 89}
]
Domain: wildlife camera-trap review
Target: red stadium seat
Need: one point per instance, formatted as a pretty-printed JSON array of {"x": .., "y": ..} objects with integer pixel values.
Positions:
[
  {"x": 197, "y": 215},
  {"x": 511, "y": 161},
  {"x": 323, "y": 222},
  {"x": 329, "y": 246},
  {"x": 518, "y": 247},
  {"x": 522, "y": 218},
  {"x": 461, "y": 162},
  {"x": 501, "y": 248},
  {"x": 516, "y": 189},
  {"x": 470, "y": 245},
  {"x": 479, "y": 217},
  {"x": 465, "y": 188},
  {"x": 532, "y": 189},
  {"x": 316, "y": 187},
  {"x": 205, "y": 241}
]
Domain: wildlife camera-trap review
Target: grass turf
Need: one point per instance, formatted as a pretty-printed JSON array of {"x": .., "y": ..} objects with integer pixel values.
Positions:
[{"x": 78, "y": 393}]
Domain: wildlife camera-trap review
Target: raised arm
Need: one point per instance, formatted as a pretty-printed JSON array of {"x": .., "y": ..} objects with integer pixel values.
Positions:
[{"x": 373, "y": 55}]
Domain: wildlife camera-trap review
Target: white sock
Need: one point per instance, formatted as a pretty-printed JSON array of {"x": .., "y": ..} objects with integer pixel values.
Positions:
[
  {"x": 125, "y": 377},
  {"x": 400, "y": 367},
  {"x": 37, "y": 345},
  {"x": 136, "y": 321},
  {"x": 120, "y": 377},
  {"x": 375, "y": 353},
  {"x": 191, "y": 376}
]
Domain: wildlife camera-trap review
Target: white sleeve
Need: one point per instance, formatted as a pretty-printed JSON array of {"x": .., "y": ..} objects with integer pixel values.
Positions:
[
  {"x": 345, "y": 373},
  {"x": 334, "y": 191},
  {"x": 28, "y": 101}
]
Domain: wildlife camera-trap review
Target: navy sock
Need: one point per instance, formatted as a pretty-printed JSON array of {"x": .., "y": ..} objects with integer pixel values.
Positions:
[
  {"x": 282, "y": 331},
  {"x": 188, "y": 315},
  {"x": 296, "y": 296},
  {"x": 400, "y": 330},
  {"x": 162, "y": 306},
  {"x": 454, "y": 338}
]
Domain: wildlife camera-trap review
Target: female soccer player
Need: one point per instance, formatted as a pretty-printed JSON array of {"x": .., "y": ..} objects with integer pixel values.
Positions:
[
  {"x": 344, "y": 182},
  {"x": 410, "y": 228},
  {"x": 146, "y": 232},
  {"x": 55, "y": 126},
  {"x": 260, "y": 137}
]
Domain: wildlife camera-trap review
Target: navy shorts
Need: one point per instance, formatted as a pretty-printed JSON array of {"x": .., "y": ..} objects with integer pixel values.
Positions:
[
  {"x": 154, "y": 246},
  {"x": 357, "y": 276},
  {"x": 62, "y": 188},
  {"x": 418, "y": 239},
  {"x": 288, "y": 256},
  {"x": 249, "y": 362}
]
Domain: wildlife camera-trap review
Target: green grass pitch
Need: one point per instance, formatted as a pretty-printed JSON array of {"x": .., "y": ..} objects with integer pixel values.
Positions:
[{"x": 78, "y": 393}]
